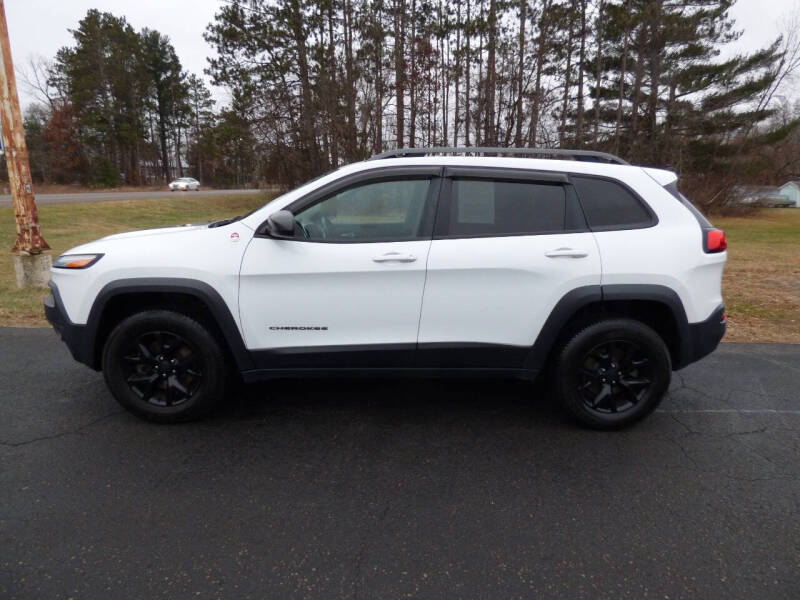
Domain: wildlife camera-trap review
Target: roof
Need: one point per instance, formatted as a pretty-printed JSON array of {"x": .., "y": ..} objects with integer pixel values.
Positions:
[
  {"x": 538, "y": 159},
  {"x": 535, "y": 164},
  {"x": 578, "y": 155}
]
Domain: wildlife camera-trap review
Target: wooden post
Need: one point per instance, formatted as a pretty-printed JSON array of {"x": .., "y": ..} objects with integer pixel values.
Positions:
[{"x": 32, "y": 266}]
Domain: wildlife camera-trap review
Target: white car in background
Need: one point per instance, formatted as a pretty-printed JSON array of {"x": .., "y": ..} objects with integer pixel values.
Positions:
[{"x": 184, "y": 184}]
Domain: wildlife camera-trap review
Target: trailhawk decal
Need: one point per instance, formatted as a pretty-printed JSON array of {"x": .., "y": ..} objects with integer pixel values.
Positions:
[{"x": 296, "y": 328}]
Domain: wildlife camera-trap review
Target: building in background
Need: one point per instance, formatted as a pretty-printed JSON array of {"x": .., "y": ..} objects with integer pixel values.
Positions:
[
  {"x": 757, "y": 195},
  {"x": 791, "y": 190}
]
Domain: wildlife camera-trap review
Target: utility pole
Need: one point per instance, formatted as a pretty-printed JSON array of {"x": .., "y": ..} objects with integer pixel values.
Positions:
[{"x": 31, "y": 263}]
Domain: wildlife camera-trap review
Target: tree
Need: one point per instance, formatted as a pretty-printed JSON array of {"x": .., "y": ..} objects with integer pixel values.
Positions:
[
  {"x": 201, "y": 118},
  {"x": 101, "y": 77},
  {"x": 167, "y": 93},
  {"x": 678, "y": 104},
  {"x": 66, "y": 156},
  {"x": 128, "y": 94},
  {"x": 34, "y": 122}
]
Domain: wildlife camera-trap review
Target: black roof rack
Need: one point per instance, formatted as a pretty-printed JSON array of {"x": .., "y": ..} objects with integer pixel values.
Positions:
[{"x": 579, "y": 155}]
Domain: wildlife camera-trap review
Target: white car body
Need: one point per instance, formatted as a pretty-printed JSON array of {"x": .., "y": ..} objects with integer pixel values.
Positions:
[
  {"x": 438, "y": 303},
  {"x": 184, "y": 184}
]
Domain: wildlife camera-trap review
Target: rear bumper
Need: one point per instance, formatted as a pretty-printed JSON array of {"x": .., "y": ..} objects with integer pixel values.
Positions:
[
  {"x": 702, "y": 338},
  {"x": 74, "y": 336}
]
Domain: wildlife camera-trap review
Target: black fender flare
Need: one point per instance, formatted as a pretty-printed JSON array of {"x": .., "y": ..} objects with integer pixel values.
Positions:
[
  {"x": 169, "y": 285},
  {"x": 579, "y": 298}
]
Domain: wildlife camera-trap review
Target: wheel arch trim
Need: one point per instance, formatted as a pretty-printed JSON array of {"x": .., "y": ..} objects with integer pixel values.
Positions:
[
  {"x": 165, "y": 285},
  {"x": 579, "y": 298}
]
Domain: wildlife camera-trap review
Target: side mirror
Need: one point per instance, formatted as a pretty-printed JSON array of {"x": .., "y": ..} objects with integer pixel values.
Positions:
[{"x": 281, "y": 224}]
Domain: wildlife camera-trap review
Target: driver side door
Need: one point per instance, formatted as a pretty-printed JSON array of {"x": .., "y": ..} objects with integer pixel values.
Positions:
[{"x": 346, "y": 289}]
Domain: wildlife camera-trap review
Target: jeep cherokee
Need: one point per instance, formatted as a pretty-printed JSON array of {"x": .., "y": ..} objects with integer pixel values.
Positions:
[{"x": 434, "y": 261}]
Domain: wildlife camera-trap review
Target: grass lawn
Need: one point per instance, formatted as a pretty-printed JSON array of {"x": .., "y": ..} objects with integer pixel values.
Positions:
[
  {"x": 67, "y": 225},
  {"x": 761, "y": 285}
]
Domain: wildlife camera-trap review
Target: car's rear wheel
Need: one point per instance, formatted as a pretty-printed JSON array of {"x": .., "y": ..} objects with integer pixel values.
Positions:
[
  {"x": 164, "y": 366},
  {"x": 613, "y": 373}
]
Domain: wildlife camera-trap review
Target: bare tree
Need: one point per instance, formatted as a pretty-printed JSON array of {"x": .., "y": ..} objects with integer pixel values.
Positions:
[{"x": 36, "y": 76}]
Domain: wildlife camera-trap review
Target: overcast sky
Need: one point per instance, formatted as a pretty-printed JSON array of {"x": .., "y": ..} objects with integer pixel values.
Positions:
[{"x": 39, "y": 27}]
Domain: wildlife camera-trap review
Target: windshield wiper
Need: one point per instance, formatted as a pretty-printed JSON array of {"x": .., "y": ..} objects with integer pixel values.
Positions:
[{"x": 224, "y": 222}]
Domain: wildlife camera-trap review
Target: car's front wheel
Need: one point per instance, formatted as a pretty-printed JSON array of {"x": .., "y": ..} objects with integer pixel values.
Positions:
[
  {"x": 164, "y": 366},
  {"x": 613, "y": 373}
]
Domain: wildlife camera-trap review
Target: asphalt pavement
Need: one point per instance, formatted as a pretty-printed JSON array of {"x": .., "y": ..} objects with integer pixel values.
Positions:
[
  {"x": 5, "y": 199},
  {"x": 399, "y": 488}
]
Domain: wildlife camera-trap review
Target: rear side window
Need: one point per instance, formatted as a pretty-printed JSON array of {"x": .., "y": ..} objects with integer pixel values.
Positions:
[
  {"x": 486, "y": 207},
  {"x": 609, "y": 205}
]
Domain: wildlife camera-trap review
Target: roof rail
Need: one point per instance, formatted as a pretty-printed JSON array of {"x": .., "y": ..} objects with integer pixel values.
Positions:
[{"x": 579, "y": 155}]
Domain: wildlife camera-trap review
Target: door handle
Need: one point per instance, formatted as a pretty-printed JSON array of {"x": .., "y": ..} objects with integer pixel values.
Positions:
[
  {"x": 566, "y": 253},
  {"x": 394, "y": 257}
]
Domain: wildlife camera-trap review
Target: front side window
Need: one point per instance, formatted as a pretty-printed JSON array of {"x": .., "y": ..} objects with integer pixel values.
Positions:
[
  {"x": 381, "y": 211},
  {"x": 487, "y": 207}
]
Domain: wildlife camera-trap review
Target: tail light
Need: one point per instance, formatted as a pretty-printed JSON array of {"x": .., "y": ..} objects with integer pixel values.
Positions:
[{"x": 714, "y": 240}]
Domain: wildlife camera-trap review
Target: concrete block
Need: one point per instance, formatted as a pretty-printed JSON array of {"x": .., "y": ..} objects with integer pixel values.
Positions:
[{"x": 32, "y": 270}]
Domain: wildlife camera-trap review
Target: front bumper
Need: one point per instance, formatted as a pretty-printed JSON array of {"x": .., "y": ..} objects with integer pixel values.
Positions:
[
  {"x": 702, "y": 338},
  {"x": 76, "y": 337}
]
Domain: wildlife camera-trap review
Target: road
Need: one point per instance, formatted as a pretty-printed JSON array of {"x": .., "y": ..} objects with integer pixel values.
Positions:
[
  {"x": 5, "y": 200},
  {"x": 389, "y": 489}
]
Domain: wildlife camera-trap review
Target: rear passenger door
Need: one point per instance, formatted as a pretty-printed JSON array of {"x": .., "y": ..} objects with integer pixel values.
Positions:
[{"x": 507, "y": 246}]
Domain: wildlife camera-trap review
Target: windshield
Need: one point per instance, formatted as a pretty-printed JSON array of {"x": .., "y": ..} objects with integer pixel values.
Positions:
[
  {"x": 294, "y": 192},
  {"x": 230, "y": 220}
]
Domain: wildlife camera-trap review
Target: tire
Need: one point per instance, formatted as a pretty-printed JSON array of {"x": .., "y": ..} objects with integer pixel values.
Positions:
[
  {"x": 613, "y": 373},
  {"x": 164, "y": 366}
]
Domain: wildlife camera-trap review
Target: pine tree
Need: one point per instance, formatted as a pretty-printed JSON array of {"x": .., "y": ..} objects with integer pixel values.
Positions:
[
  {"x": 681, "y": 106},
  {"x": 168, "y": 93}
]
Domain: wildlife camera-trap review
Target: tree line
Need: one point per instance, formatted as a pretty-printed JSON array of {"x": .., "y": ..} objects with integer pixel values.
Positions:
[
  {"x": 317, "y": 84},
  {"x": 118, "y": 108}
]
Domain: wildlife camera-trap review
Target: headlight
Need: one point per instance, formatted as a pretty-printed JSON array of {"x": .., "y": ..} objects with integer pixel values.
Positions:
[{"x": 76, "y": 261}]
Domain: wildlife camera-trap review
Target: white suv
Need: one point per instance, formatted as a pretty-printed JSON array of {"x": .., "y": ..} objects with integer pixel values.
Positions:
[{"x": 417, "y": 262}]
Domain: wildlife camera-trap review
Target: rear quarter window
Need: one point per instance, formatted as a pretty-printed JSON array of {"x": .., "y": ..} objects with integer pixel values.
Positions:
[{"x": 610, "y": 205}]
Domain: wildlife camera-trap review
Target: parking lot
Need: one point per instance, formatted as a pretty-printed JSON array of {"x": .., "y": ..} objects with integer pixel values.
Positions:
[{"x": 390, "y": 489}]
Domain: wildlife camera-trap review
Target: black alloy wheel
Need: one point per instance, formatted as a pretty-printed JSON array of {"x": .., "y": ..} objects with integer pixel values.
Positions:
[
  {"x": 613, "y": 373},
  {"x": 614, "y": 377},
  {"x": 164, "y": 366}
]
